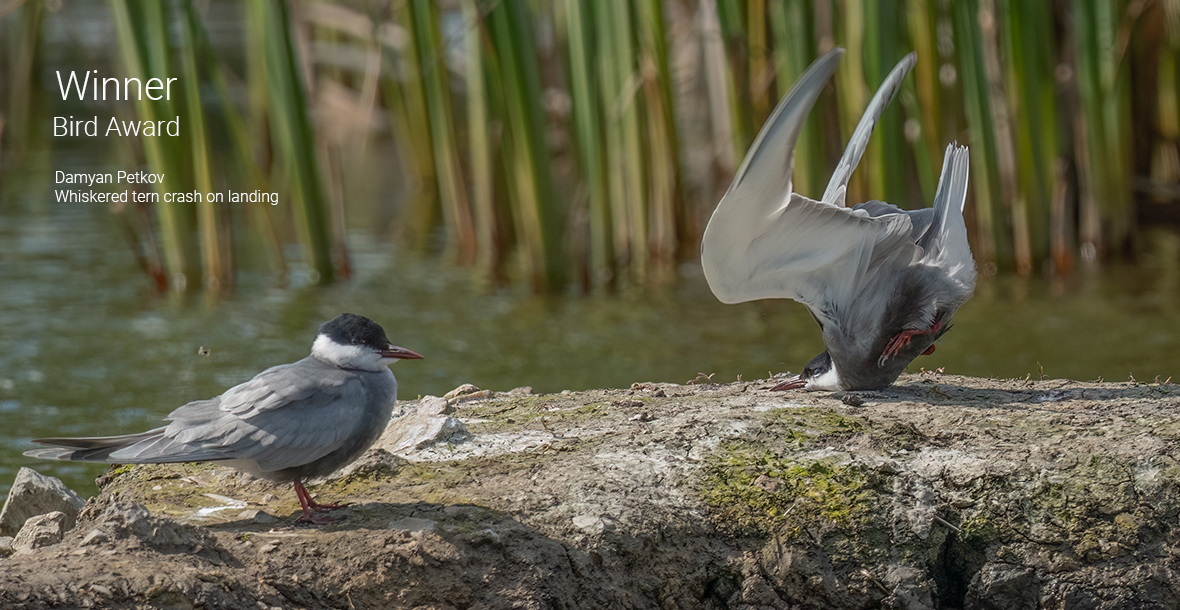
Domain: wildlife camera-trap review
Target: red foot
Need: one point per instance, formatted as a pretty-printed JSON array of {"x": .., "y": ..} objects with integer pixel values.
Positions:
[
  {"x": 929, "y": 350},
  {"x": 310, "y": 505},
  {"x": 902, "y": 339}
]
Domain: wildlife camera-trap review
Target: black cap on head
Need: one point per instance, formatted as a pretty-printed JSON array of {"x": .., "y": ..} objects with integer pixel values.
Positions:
[
  {"x": 818, "y": 365},
  {"x": 351, "y": 329}
]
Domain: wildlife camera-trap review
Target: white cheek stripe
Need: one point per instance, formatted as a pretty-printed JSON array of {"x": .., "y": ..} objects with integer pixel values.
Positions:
[
  {"x": 830, "y": 380},
  {"x": 347, "y": 356}
]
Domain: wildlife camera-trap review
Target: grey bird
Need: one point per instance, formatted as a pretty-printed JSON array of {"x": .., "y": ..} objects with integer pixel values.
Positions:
[
  {"x": 291, "y": 422},
  {"x": 883, "y": 283}
]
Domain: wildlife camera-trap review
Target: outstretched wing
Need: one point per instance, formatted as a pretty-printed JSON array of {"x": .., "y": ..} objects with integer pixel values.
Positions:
[
  {"x": 763, "y": 180},
  {"x": 763, "y": 241},
  {"x": 838, "y": 185}
]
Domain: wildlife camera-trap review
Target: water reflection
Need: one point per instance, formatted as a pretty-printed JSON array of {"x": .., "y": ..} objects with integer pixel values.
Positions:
[{"x": 87, "y": 347}]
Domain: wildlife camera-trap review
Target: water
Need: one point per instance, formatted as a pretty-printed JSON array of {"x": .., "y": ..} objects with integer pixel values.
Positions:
[{"x": 88, "y": 348}]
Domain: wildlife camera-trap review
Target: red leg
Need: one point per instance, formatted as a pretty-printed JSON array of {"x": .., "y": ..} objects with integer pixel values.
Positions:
[
  {"x": 929, "y": 350},
  {"x": 310, "y": 505},
  {"x": 903, "y": 338}
]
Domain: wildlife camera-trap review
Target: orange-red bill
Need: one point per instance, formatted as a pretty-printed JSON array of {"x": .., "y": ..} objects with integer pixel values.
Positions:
[
  {"x": 791, "y": 383},
  {"x": 400, "y": 353}
]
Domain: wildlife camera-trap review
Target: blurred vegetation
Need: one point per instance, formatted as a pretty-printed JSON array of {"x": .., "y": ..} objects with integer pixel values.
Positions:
[{"x": 585, "y": 143}]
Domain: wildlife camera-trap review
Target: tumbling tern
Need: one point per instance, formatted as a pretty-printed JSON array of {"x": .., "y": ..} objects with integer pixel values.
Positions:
[{"x": 883, "y": 283}]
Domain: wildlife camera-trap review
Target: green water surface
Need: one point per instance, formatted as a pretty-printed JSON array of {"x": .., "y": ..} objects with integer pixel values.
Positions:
[{"x": 87, "y": 347}]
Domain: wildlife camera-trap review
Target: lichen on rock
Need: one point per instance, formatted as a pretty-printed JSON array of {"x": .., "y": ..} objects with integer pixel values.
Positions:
[{"x": 939, "y": 492}]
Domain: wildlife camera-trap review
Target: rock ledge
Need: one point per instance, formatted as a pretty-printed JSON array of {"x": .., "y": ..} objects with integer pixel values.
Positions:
[{"x": 941, "y": 492}]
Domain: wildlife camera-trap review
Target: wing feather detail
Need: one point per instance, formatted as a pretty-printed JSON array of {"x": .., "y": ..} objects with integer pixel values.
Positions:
[
  {"x": 763, "y": 241},
  {"x": 859, "y": 142}
]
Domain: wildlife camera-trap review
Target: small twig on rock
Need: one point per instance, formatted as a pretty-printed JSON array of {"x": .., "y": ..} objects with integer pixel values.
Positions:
[
  {"x": 874, "y": 581},
  {"x": 545, "y": 425},
  {"x": 953, "y": 527}
]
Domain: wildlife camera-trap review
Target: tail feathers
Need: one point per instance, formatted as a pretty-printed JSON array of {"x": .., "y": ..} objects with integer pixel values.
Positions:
[
  {"x": 98, "y": 442},
  {"x": 100, "y": 448},
  {"x": 950, "y": 202},
  {"x": 948, "y": 244},
  {"x": 952, "y": 184}
]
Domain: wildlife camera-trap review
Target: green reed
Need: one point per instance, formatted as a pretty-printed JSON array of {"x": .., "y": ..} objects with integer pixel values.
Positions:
[
  {"x": 563, "y": 158},
  {"x": 295, "y": 142},
  {"x": 453, "y": 193},
  {"x": 1104, "y": 130},
  {"x": 599, "y": 264},
  {"x": 196, "y": 240},
  {"x": 23, "y": 34},
  {"x": 144, "y": 48},
  {"x": 528, "y": 163}
]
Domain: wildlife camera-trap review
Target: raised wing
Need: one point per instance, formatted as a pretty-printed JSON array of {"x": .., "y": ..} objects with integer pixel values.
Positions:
[
  {"x": 838, "y": 185},
  {"x": 765, "y": 174},
  {"x": 765, "y": 242},
  {"x": 813, "y": 252}
]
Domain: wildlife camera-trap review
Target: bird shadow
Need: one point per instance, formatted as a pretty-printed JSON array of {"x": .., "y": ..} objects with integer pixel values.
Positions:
[
  {"x": 1042, "y": 394},
  {"x": 364, "y": 515}
]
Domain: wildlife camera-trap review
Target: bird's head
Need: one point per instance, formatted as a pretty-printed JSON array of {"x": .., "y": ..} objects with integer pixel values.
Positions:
[
  {"x": 350, "y": 341},
  {"x": 819, "y": 374}
]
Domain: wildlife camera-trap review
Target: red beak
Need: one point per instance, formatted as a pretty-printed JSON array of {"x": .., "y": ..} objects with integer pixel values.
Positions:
[
  {"x": 790, "y": 383},
  {"x": 400, "y": 353}
]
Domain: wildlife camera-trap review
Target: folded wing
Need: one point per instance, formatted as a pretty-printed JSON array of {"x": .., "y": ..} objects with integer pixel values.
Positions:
[{"x": 272, "y": 420}]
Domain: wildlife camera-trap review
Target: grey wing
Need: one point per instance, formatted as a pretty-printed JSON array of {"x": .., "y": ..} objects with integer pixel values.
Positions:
[
  {"x": 765, "y": 242},
  {"x": 945, "y": 245},
  {"x": 761, "y": 189},
  {"x": 813, "y": 252},
  {"x": 921, "y": 220},
  {"x": 279, "y": 419},
  {"x": 762, "y": 183},
  {"x": 838, "y": 185}
]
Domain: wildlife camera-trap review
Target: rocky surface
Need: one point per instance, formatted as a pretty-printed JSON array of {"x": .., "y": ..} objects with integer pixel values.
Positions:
[
  {"x": 941, "y": 492},
  {"x": 32, "y": 494},
  {"x": 42, "y": 530}
]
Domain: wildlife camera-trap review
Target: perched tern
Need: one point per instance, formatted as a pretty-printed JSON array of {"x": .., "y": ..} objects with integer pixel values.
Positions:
[{"x": 292, "y": 422}]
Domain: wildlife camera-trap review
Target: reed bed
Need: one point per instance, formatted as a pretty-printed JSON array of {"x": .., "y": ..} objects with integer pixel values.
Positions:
[
  {"x": 584, "y": 143},
  {"x": 195, "y": 241}
]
